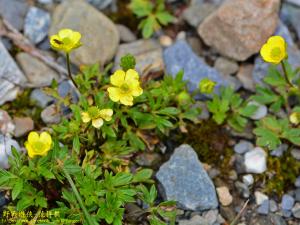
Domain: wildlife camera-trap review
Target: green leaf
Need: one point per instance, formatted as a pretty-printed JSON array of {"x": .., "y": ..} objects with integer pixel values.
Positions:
[
  {"x": 248, "y": 110},
  {"x": 266, "y": 138},
  {"x": 76, "y": 144},
  {"x": 164, "y": 17},
  {"x": 17, "y": 189},
  {"x": 46, "y": 173},
  {"x": 109, "y": 131},
  {"x": 41, "y": 201},
  {"x": 25, "y": 202},
  {"x": 142, "y": 175},
  {"x": 141, "y": 8},
  {"x": 122, "y": 179},
  {"x": 148, "y": 26},
  {"x": 169, "y": 111}
]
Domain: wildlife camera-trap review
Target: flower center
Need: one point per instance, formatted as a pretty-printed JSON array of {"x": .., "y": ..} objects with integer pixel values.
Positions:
[
  {"x": 276, "y": 52},
  {"x": 93, "y": 112},
  {"x": 39, "y": 146},
  {"x": 124, "y": 88}
]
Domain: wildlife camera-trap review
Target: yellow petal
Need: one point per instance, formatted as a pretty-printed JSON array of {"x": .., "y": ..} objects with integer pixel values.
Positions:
[
  {"x": 131, "y": 75},
  {"x": 65, "y": 33},
  {"x": 106, "y": 114},
  {"x": 85, "y": 117},
  {"x": 29, "y": 149},
  {"x": 33, "y": 137},
  {"x": 136, "y": 91},
  {"x": 97, "y": 123},
  {"x": 118, "y": 78},
  {"x": 114, "y": 94},
  {"x": 126, "y": 100},
  {"x": 55, "y": 42},
  {"x": 276, "y": 41},
  {"x": 46, "y": 139}
]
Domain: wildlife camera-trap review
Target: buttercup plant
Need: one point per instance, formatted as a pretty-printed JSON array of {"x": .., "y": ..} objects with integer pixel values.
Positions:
[{"x": 84, "y": 160}]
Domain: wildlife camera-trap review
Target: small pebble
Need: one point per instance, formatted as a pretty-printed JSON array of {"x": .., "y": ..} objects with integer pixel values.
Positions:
[
  {"x": 273, "y": 206},
  {"x": 287, "y": 202},
  {"x": 50, "y": 115},
  {"x": 256, "y": 161},
  {"x": 260, "y": 197},
  {"x": 165, "y": 41},
  {"x": 243, "y": 147},
  {"x": 23, "y": 126},
  {"x": 261, "y": 111},
  {"x": 248, "y": 179},
  {"x": 224, "y": 195},
  {"x": 264, "y": 207},
  {"x": 297, "y": 182},
  {"x": 296, "y": 210},
  {"x": 278, "y": 152},
  {"x": 296, "y": 153}
]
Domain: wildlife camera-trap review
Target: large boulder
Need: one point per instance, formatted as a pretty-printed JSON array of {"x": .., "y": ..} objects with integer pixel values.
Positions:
[
  {"x": 100, "y": 36},
  {"x": 238, "y": 28}
]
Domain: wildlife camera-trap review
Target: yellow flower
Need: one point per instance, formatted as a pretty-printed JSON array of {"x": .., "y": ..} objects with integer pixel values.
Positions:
[
  {"x": 274, "y": 51},
  {"x": 66, "y": 40},
  {"x": 207, "y": 86},
  {"x": 125, "y": 87},
  {"x": 295, "y": 118},
  {"x": 38, "y": 144},
  {"x": 96, "y": 116}
]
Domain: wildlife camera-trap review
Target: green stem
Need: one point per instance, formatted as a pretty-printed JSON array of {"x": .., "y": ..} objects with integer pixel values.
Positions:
[
  {"x": 286, "y": 74},
  {"x": 69, "y": 70},
  {"x": 75, "y": 191}
]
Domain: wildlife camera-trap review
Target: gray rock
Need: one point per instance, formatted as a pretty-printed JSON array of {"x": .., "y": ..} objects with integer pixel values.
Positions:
[
  {"x": 239, "y": 163},
  {"x": 37, "y": 73},
  {"x": 248, "y": 179},
  {"x": 224, "y": 196},
  {"x": 273, "y": 206},
  {"x": 23, "y": 126},
  {"x": 260, "y": 197},
  {"x": 297, "y": 182},
  {"x": 148, "y": 55},
  {"x": 45, "y": 2},
  {"x": 100, "y": 38},
  {"x": 256, "y": 161},
  {"x": 260, "y": 112},
  {"x": 278, "y": 152},
  {"x": 37, "y": 23},
  {"x": 264, "y": 208},
  {"x": 184, "y": 180},
  {"x": 297, "y": 195},
  {"x": 243, "y": 189},
  {"x": 296, "y": 210},
  {"x": 290, "y": 15},
  {"x": 40, "y": 98},
  {"x": 286, "y": 213},
  {"x": 50, "y": 115},
  {"x": 295, "y": 2},
  {"x": 211, "y": 216},
  {"x": 125, "y": 34},
  {"x": 10, "y": 76},
  {"x": 261, "y": 68},
  {"x": 245, "y": 76},
  {"x": 195, "y": 220},
  {"x": 6, "y": 144},
  {"x": 195, "y": 14},
  {"x": 14, "y": 12},
  {"x": 7, "y": 126},
  {"x": 100, "y": 4},
  {"x": 235, "y": 31},
  {"x": 243, "y": 146},
  {"x": 277, "y": 219},
  {"x": 296, "y": 153},
  {"x": 181, "y": 57},
  {"x": 226, "y": 66},
  {"x": 287, "y": 202},
  {"x": 65, "y": 88}
]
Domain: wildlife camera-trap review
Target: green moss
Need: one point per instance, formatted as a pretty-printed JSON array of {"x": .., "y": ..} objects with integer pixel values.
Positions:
[
  {"x": 282, "y": 173},
  {"x": 210, "y": 141},
  {"x": 124, "y": 15}
]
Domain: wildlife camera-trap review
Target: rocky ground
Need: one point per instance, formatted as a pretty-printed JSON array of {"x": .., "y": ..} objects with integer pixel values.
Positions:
[{"x": 210, "y": 38}]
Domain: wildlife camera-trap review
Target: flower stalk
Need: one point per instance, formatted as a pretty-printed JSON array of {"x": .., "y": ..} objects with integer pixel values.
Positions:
[{"x": 69, "y": 70}]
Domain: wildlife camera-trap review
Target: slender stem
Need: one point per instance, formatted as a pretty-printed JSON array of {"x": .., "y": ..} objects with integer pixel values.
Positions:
[
  {"x": 33, "y": 221},
  {"x": 69, "y": 70},
  {"x": 75, "y": 191},
  {"x": 286, "y": 74}
]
